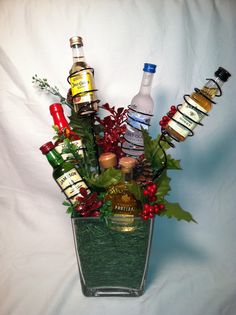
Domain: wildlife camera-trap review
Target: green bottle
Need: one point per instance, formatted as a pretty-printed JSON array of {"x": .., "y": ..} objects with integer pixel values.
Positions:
[{"x": 64, "y": 173}]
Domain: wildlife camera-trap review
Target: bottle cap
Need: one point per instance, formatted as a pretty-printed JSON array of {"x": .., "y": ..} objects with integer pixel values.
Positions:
[
  {"x": 127, "y": 164},
  {"x": 222, "y": 74},
  {"x": 76, "y": 40},
  {"x": 56, "y": 107},
  {"x": 107, "y": 160},
  {"x": 45, "y": 148},
  {"x": 149, "y": 67}
]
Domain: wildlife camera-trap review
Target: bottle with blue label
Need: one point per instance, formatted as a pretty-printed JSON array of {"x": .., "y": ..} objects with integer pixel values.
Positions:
[{"x": 139, "y": 114}]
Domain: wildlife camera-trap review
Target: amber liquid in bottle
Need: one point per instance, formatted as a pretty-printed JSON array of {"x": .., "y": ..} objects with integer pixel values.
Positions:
[
  {"x": 124, "y": 205},
  {"x": 82, "y": 82},
  {"x": 199, "y": 100}
]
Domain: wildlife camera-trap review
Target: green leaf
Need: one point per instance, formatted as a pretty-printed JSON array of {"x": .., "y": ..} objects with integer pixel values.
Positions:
[
  {"x": 172, "y": 163},
  {"x": 163, "y": 183},
  {"x": 109, "y": 177},
  {"x": 174, "y": 210},
  {"x": 136, "y": 190}
]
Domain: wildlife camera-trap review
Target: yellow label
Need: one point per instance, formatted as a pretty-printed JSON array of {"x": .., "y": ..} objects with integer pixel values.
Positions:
[
  {"x": 68, "y": 179},
  {"x": 81, "y": 82}
]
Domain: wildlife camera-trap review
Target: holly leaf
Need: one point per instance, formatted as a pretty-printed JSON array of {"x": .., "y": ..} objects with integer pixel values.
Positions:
[
  {"x": 109, "y": 177},
  {"x": 172, "y": 163},
  {"x": 163, "y": 183},
  {"x": 136, "y": 190},
  {"x": 174, "y": 210}
]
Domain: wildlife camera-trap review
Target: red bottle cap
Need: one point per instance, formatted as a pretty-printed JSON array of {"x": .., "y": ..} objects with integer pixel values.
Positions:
[
  {"x": 45, "y": 148},
  {"x": 56, "y": 107},
  {"x": 56, "y": 110}
]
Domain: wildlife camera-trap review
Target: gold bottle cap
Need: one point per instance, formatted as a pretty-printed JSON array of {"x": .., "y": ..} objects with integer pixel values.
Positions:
[
  {"x": 76, "y": 40},
  {"x": 107, "y": 160},
  {"x": 127, "y": 164}
]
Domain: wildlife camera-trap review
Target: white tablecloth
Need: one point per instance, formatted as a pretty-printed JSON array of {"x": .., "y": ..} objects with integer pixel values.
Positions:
[{"x": 192, "y": 266}]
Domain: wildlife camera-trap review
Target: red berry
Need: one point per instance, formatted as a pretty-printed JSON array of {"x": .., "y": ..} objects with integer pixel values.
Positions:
[
  {"x": 165, "y": 118},
  {"x": 173, "y": 108},
  {"x": 145, "y": 212},
  {"x": 161, "y": 206},
  {"x": 161, "y": 123},
  {"x": 146, "y": 206},
  {"x": 153, "y": 199},
  {"x": 151, "y": 216},
  {"x": 145, "y": 192},
  {"x": 145, "y": 217}
]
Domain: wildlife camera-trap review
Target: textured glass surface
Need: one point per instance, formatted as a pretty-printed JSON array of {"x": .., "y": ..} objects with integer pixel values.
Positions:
[{"x": 111, "y": 263}]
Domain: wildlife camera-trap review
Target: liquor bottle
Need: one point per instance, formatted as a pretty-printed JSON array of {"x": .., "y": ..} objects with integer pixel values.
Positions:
[
  {"x": 64, "y": 173},
  {"x": 196, "y": 106},
  {"x": 107, "y": 160},
  {"x": 139, "y": 114},
  {"x": 56, "y": 110},
  {"x": 124, "y": 205},
  {"x": 81, "y": 79}
]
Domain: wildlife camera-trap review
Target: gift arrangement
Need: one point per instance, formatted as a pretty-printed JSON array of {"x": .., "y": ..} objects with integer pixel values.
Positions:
[{"x": 114, "y": 174}]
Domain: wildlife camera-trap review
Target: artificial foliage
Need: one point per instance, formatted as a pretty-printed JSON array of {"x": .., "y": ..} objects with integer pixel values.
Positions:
[{"x": 106, "y": 134}]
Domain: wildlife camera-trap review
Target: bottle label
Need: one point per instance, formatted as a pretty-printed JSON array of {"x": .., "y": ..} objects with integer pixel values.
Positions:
[
  {"x": 81, "y": 82},
  {"x": 134, "y": 136},
  {"x": 189, "y": 111},
  {"x": 138, "y": 120},
  {"x": 71, "y": 182},
  {"x": 69, "y": 178},
  {"x": 67, "y": 156}
]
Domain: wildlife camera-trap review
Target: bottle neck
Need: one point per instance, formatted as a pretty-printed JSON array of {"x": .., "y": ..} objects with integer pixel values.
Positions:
[
  {"x": 60, "y": 121},
  {"x": 54, "y": 158},
  {"x": 78, "y": 53},
  {"x": 211, "y": 89},
  {"x": 146, "y": 83},
  {"x": 127, "y": 175}
]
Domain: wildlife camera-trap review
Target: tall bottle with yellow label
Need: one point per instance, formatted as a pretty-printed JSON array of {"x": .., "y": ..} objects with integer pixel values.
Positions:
[
  {"x": 81, "y": 79},
  {"x": 64, "y": 173}
]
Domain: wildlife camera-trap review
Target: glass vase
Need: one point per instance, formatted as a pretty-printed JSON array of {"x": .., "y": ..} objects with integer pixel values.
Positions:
[{"x": 112, "y": 263}]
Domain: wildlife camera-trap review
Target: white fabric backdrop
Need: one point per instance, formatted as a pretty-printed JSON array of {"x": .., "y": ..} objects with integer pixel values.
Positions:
[{"x": 193, "y": 266}]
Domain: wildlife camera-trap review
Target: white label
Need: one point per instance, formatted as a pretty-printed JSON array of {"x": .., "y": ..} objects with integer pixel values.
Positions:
[
  {"x": 189, "y": 111},
  {"x": 134, "y": 136},
  {"x": 70, "y": 178},
  {"x": 66, "y": 156},
  {"x": 74, "y": 189}
]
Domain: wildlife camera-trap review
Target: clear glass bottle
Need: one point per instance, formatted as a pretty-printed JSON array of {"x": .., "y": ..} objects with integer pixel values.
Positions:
[
  {"x": 199, "y": 103},
  {"x": 81, "y": 79},
  {"x": 124, "y": 205},
  {"x": 140, "y": 113},
  {"x": 64, "y": 173},
  {"x": 57, "y": 113}
]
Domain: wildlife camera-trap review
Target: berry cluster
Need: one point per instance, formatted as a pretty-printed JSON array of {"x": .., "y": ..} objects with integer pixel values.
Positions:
[
  {"x": 151, "y": 207},
  {"x": 165, "y": 119}
]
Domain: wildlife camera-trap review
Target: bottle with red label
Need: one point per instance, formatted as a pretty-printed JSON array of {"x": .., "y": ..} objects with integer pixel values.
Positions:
[
  {"x": 64, "y": 173},
  {"x": 56, "y": 110},
  {"x": 81, "y": 79}
]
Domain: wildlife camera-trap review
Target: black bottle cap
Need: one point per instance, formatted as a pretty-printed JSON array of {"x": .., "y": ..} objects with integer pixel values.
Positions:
[{"x": 222, "y": 74}]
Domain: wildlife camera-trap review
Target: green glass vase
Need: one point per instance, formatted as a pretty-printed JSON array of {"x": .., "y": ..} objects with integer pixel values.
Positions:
[{"x": 112, "y": 263}]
